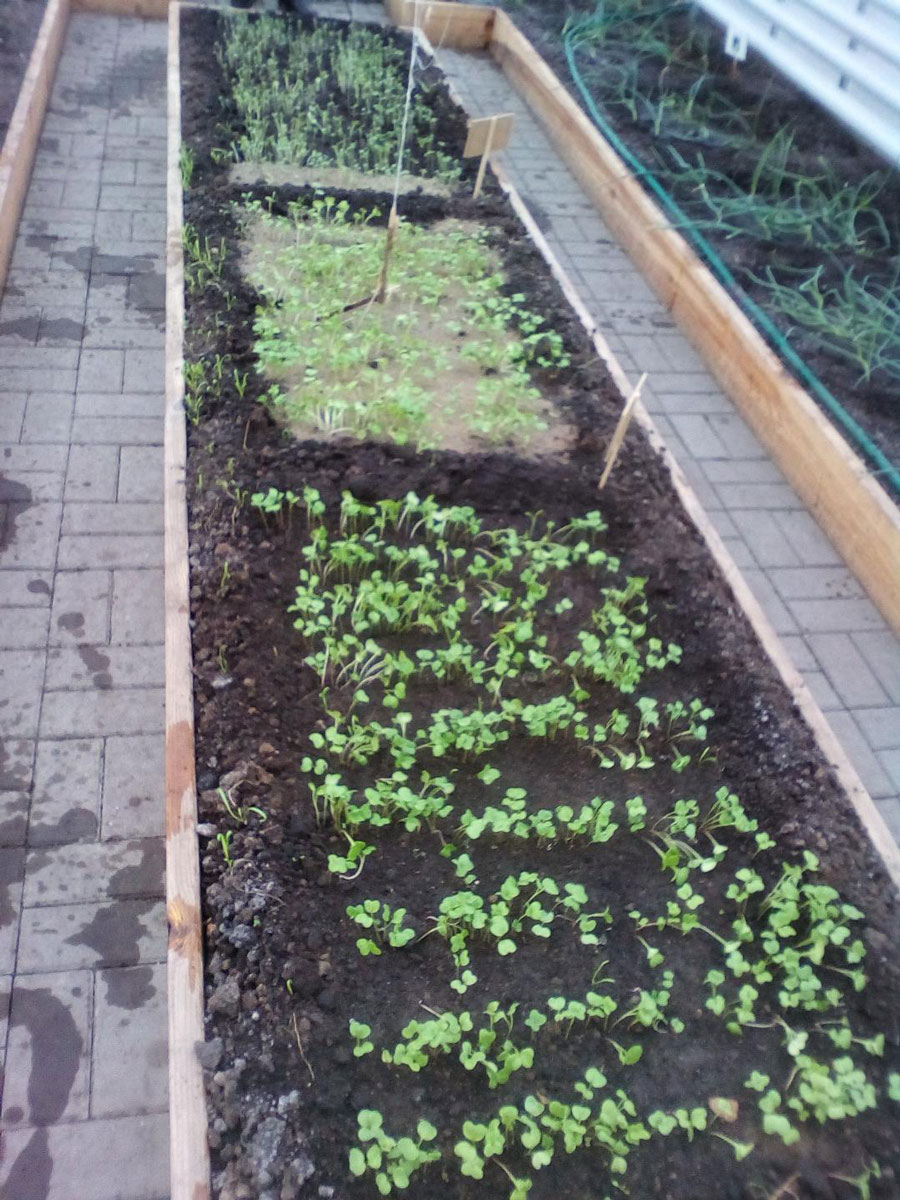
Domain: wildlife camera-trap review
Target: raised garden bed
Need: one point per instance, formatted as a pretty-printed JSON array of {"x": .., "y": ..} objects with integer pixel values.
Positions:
[{"x": 436, "y": 670}]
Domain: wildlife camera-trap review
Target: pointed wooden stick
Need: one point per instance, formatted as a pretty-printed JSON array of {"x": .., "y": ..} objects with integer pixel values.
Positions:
[
  {"x": 618, "y": 437},
  {"x": 381, "y": 291},
  {"x": 486, "y": 154}
]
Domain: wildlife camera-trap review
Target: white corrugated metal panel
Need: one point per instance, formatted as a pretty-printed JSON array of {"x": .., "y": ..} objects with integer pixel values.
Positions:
[{"x": 844, "y": 53}]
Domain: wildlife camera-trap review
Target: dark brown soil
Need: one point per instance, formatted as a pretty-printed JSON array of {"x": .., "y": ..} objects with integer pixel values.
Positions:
[
  {"x": 817, "y": 136},
  {"x": 283, "y": 973},
  {"x": 19, "y": 24}
]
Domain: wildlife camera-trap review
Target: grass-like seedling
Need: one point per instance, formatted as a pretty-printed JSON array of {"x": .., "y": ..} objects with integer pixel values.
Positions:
[
  {"x": 834, "y": 240},
  {"x": 327, "y": 96},
  {"x": 446, "y": 360}
]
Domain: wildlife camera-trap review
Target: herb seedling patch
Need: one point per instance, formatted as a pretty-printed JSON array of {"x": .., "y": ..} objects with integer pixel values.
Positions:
[
  {"x": 522, "y": 877},
  {"x": 343, "y": 364}
]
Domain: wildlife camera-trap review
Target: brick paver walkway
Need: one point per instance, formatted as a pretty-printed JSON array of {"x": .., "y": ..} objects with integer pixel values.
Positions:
[{"x": 82, "y": 921}]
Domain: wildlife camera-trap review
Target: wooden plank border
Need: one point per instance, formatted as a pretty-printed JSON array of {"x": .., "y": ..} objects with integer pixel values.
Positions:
[
  {"x": 831, "y": 479},
  {"x": 20, "y": 144},
  {"x": 459, "y": 26},
  {"x": 151, "y": 9},
  {"x": 187, "y": 1099}
]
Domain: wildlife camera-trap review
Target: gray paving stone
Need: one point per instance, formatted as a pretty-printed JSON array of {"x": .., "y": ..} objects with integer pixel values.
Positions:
[
  {"x": 81, "y": 874},
  {"x": 101, "y": 370},
  {"x": 698, "y": 435},
  {"x": 823, "y": 693},
  {"x": 742, "y": 470},
  {"x": 801, "y": 655},
  {"x": 133, "y": 787},
  {"x": 105, "y": 667},
  {"x": 17, "y": 460},
  {"x": 144, "y": 370},
  {"x": 141, "y": 474},
  {"x": 816, "y": 583},
  {"x": 24, "y": 628},
  {"x": 119, "y": 170},
  {"x": 80, "y": 551},
  {"x": 94, "y": 431},
  {"x": 772, "y": 605},
  {"x": 757, "y": 496},
  {"x": 12, "y": 414},
  {"x": 890, "y": 810},
  {"x": 38, "y": 379},
  {"x": 740, "y": 552},
  {"x": 880, "y": 726},
  {"x": 67, "y": 937},
  {"x": 12, "y": 868},
  {"x": 113, "y": 225},
  {"x": 882, "y": 652},
  {"x": 703, "y": 489},
  {"x": 147, "y": 293},
  {"x": 93, "y": 473},
  {"x": 130, "y": 1027},
  {"x": 14, "y": 808},
  {"x": 890, "y": 762},
  {"x": 48, "y": 417},
  {"x": 102, "y": 712},
  {"x": 100, "y": 404},
  {"x": 48, "y": 1064},
  {"x": 138, "y": 149},
  {"x": 80, "y": 193},
  {"x": 847, "y": 669},
  {"x": 137, "y": 609},
  {"x": 5, "y": 997},
  {"x": 830, "y": 616},
  {"x": 872, "y": 773},
  {"x": 66, "y": 805},
  {"x": 738, "y": 437},
  {"x": 112, "y": 518},
  {"x": 810, "y": 544},
  {"x": 81, "y": 604},
  {"x": 21, "y": 676},
  {"x": 16, "y": 759},
  {"x": 119, "y": 1158},
  {"x": 35, "y": 536},
  {"x": 45, "y": 191},
  {"x": 130, "y": 199},
  {"x": 128, "y": 330}
]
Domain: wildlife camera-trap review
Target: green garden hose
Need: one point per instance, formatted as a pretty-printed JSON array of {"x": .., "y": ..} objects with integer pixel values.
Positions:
[{"x": 884, "y": 468}]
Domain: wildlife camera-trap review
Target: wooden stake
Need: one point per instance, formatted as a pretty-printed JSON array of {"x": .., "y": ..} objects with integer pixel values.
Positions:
[
  {"x": 381, "y": 290},
  {"x": 485, "y": 155},
  {"x": 621, "y": 429}
]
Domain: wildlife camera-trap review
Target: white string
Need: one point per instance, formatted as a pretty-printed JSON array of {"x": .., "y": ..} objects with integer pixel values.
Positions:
[{"x": 413, "y": 52}]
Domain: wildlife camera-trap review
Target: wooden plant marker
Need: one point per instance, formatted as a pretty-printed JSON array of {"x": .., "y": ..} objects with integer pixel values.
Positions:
[
  {"x": 487, "y": 134},
  {"x": 618, "y": 437}
]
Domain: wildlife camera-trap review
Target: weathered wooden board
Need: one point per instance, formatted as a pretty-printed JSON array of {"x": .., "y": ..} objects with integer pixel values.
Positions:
[
  {"x": 24, "y": 131},
  {"x": 156, "y": 9},
  {"x": 460, "y": 26},
  {"x": 187, "y": 1100},
  {"x": 830, "y": 478}
]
